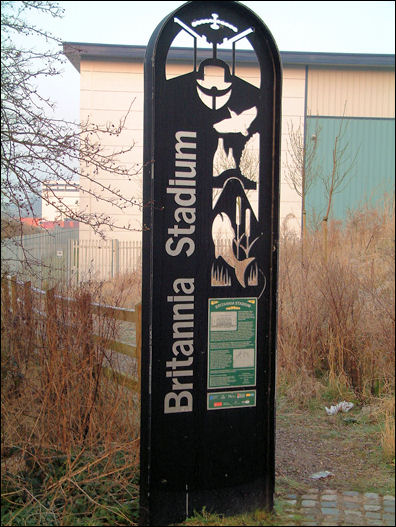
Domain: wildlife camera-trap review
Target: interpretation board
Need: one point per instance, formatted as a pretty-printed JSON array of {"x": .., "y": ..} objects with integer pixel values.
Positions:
[{"x": 210, "y": 253}]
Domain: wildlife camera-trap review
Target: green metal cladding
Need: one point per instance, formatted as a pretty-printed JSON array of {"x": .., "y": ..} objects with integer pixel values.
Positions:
[{"x": 372, "y": 143}]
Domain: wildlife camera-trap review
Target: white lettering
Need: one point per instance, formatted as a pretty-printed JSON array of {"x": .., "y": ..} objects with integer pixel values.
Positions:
[
  {"x": 184, "y": 285},
  {"x": 179, "y": 247},
  {"x": 181, "y": 144},
  {"x": 183, "y": 334},
  {"x": 178, "y": 398},
  {"x": 186, "y": 347},
  {"x": 181, "y": 242},
  {"x": 179, "y": 192},
  {"x": 185, "y": 214}
]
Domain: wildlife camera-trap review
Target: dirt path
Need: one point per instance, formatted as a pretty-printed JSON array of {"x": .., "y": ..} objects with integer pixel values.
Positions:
[{"x": 308, "y": 442}]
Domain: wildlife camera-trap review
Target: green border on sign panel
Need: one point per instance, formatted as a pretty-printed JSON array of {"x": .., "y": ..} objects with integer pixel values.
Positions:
[{"x": 232, "y": 342}]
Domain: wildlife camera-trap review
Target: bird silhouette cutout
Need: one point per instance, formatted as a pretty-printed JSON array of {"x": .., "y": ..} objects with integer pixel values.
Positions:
[{"x": 237, "y": 123}]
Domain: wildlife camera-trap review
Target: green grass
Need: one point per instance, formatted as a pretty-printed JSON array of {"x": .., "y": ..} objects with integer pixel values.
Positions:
[
  {"x": 258, "y": 517},
  {"x": 55, "y": 490}
]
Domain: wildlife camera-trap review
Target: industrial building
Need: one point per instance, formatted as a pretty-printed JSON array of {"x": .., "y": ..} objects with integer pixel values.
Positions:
[{"x": 327, "y": 99}]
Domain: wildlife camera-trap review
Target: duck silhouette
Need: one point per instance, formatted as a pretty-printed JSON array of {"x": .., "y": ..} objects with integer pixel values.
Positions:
[{"x": 237, "y": 123}]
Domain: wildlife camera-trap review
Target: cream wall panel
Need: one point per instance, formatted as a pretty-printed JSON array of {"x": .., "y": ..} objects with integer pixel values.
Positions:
[
  {"x": 126, "y": 138},
  {"x": 174, "y": 70},
  {"x": 297, "y": 72},
  {"x": 111, "y": 67},
  {"x": 113, "y": 100},
  {"x": 295, "y": 121},
  {"x": 135, "y": 154},
  {"x": 289, "y": 217},
  {"x": 112, "y": 81},
  {"x": 106, "y": 92},
  {"x": 363, "y": 93},
  {"x": 134, "y": 120},
  {"x": 293, "y": 88},
  {"x": 250, "y": 75},
  {"x": 100, "y": 205},
  {"x": 134, "y": 176},
  {"x": 293, "y": 107}
]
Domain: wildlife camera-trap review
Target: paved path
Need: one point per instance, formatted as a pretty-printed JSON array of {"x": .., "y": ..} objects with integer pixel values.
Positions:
[{"x": 331, "y": 507}]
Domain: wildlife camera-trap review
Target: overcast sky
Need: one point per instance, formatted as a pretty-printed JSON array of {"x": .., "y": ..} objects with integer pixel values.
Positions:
[
  {"x": 342, "y": 27},
  {"x": 359, "y": 27}
]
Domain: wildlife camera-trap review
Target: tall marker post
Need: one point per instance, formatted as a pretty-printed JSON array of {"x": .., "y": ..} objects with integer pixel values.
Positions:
[{"x": 210, "y": 260}]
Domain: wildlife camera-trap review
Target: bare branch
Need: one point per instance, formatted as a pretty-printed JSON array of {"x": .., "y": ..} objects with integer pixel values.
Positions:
[
  {"x": 37, "y": 147},
  {"x": 302, "y": 167}
]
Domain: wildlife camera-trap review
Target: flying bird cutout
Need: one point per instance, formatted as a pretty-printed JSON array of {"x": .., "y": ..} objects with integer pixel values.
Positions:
[{"x": 237, "y": 123}]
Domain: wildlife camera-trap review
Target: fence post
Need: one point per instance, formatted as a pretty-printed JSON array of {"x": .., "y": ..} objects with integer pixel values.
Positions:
[
  {"x": 138, "y": 322},
  {"x": 86, "y": 321},
  {"x": 14, "y": 295},
  {"x": 115, "y": 258},
  {"x": 73, "y": 261},
  {"x": 51, "y": 324},
  {"x": 89, "y": 354},
  {"x": 29, "y": 330},
  {"x": 5, "y": 301}
]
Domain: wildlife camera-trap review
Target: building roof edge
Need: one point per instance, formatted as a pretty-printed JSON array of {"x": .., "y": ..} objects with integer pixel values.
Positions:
[{"x": 77, "y": 51}]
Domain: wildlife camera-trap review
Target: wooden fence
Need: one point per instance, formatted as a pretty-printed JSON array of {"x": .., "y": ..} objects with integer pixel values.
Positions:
[{"x": 21, "y": 297}]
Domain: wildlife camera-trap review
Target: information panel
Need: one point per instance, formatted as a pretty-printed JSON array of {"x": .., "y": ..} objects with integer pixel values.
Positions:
[{"x": 232, "y": 348}]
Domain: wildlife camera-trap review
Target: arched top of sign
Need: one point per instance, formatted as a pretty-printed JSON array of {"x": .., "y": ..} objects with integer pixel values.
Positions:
[
  {"x": 235, "y": 121},
  {"x": 217, "y": 40},
  {"x": 219, "y": 30}
]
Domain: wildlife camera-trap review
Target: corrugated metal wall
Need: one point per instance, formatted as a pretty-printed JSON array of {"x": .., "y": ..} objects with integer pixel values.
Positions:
[
  {"x": 361, "y": 93},
  {"x": 41, "y": 258},
  {"x": 371, "y": 141},
  {"x": 363, "y": 103}
]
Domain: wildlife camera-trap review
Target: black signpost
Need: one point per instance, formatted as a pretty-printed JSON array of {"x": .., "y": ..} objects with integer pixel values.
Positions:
[{"x": 210, "y": 252}]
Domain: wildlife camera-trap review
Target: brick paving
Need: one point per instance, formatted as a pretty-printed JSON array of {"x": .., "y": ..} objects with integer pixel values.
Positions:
[{"x": 331, "y": 507}]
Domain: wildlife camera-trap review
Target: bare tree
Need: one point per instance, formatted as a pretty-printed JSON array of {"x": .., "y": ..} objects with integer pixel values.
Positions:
[
  {"x": 305, "y": 167},
  {"x": 338, "y": 176},
  {"x": 38, "y": 147},
  {"x": 301, "y": 164}
]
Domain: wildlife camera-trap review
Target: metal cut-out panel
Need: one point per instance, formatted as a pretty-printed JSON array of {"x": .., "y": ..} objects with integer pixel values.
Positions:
[{"x": 211, "y": 188}]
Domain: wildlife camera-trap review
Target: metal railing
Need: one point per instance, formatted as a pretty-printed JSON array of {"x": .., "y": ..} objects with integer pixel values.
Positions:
[{"x": 60, "y": 256}]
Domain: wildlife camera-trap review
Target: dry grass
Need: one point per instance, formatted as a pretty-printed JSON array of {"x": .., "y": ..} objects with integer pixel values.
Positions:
[
  {"x": 388, "y": 438},
  {"x": 387, "y": 417},
  {"x": 336, "y": 317},
  {"x": 71, "y": 429},
  {"x": 69, "y": 434},
  {"x": 125, "y": 290}
]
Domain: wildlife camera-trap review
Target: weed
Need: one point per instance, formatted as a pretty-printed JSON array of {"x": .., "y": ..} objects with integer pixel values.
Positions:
[
  {"x": 388, "y": 438},
  {"x": 70, "y": 435},
  {"x": 336, "y": 316},
  {"x": 258, "y": 517}
]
